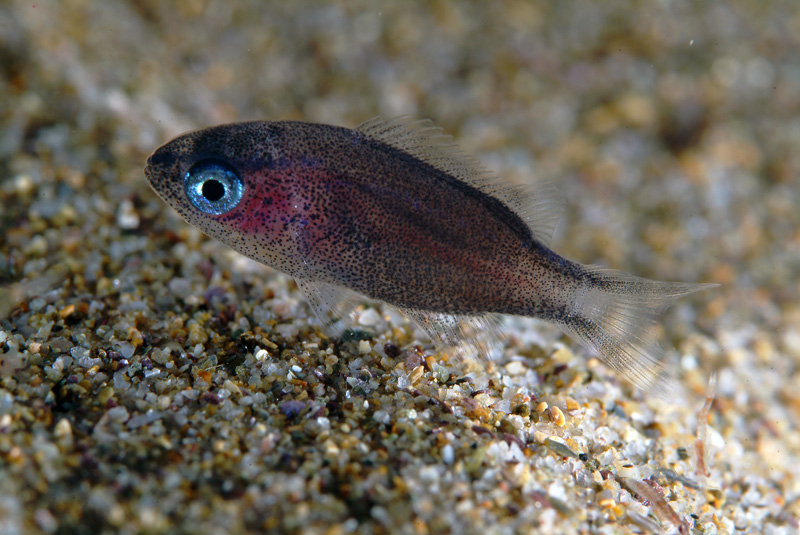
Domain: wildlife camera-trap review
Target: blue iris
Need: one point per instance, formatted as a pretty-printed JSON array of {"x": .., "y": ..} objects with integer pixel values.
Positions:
[{"x": 213, "y": 187}]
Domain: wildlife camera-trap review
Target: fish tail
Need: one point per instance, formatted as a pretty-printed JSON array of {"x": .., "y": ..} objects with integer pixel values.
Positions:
[{"x": 615, "y": 314}]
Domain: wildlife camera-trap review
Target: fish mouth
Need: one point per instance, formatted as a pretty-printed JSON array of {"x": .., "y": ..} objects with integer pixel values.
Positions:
[
  {"x": 148, "y": 172},
  {"x": 161, "y": 159}
]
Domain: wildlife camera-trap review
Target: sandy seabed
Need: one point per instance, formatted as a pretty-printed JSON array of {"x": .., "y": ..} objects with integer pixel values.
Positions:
[{"x": 152, "y": 381}]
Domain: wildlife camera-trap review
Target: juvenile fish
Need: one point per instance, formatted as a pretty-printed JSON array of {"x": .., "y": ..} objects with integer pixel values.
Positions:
[{"x": 392, "y": 210}]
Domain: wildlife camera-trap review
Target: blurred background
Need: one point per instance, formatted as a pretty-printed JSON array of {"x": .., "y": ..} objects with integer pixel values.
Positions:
[{"x": 672, "y": 127}]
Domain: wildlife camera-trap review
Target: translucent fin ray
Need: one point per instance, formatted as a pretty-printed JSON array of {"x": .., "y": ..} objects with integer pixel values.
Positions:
[
  {"x": 540, "y": 207},
  {"x": 333, "y": 305},
  {"x": 616, "y": 317},
  {"x": 476, "y": 338}
]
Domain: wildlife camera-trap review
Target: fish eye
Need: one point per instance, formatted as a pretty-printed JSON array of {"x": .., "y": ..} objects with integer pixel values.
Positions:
[{"x": 213, "y": 187}]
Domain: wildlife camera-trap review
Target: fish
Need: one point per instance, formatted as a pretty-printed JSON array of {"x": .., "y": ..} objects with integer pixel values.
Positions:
[{"x": 395, "y": 212}]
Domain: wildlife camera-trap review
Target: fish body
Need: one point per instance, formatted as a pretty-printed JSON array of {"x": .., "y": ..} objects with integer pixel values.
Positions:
[{"x": 392, "y": 210}]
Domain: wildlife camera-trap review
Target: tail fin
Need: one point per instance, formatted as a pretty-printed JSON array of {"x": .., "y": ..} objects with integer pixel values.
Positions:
[{"x": 616, "y": 317}]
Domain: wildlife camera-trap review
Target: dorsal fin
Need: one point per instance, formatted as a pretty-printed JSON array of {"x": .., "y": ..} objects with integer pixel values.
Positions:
[{"x": 540, "y": 206}]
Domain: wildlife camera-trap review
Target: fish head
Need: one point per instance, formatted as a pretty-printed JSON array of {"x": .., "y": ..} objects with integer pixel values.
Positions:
[{"x": 227, "y": 182}]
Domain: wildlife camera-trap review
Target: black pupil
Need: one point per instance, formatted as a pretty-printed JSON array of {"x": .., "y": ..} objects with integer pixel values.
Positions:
[{"x": 213, "y": 190}]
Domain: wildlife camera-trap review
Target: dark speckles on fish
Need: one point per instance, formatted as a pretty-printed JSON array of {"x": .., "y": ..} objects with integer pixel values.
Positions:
[{"x": 394, "y": 211}]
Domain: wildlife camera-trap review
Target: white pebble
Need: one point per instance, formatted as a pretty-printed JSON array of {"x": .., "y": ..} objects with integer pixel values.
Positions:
[
  {"x": 448, "y": 456},
  {"x": 119, "y": 414},
  {"x": 180, "y": 286},
  {"x": 381, "y": 416},
  {"x": 231, "y": 387},
  {"x": 369, "y": 317},
  {"x": 557, "y": 491},
  {"x": 127, "y": 218},
  {"x": 515, "y": 368}
]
